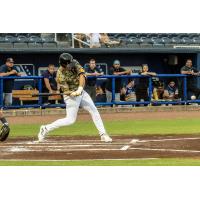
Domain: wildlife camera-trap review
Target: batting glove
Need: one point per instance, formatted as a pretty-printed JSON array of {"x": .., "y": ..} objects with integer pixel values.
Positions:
[{"x": 77, "y": 92}]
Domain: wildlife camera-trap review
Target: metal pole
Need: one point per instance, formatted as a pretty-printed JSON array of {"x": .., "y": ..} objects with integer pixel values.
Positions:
[
  {"x": 185, "y": 88},
  {"x": 72, "y": 40},
  {"x": 150, "y": 88},
  {"x": 113, "y": 90},
  {"x": 40, "y": 90},
  {"x": 1, "y": 92},
  {"x": 55, "y": 37}
]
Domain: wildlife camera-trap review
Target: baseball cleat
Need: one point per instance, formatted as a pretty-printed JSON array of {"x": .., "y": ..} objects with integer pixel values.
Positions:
[
  {"x": 106, "y": 138},
  {"x": 43, "y": 132}
]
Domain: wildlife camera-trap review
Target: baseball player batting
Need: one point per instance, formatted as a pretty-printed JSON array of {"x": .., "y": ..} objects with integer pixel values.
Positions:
[{"x": 71, "y": 78}]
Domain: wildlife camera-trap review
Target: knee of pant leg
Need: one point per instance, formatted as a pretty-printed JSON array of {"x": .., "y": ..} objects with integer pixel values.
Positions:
[{"x": 70, "y": 120}]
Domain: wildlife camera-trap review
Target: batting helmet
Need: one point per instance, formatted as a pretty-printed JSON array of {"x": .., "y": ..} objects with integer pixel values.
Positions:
[{"x": 65, "y": 59}]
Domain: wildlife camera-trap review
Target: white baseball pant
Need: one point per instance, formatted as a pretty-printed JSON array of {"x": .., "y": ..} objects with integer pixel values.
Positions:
[{"x": 72, "y": 106}]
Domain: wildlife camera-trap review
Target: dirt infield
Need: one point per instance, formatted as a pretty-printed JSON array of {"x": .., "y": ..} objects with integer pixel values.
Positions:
[
  {"x": 126, "y": 147},
  {"x": 85, "y": 147},
  {"x": 107, "y": 116}
]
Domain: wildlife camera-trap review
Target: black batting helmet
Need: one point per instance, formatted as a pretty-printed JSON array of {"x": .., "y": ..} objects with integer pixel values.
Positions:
[{"x": 65, "y": 59}]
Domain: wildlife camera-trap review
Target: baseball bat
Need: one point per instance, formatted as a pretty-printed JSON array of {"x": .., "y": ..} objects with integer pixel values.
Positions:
[{"x": 51, "y": 94}]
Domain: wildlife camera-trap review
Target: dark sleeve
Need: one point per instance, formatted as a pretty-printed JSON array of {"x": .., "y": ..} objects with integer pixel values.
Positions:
[
  {"x": 111, "y": 71},
  {"x": 99, "y": 70},
  {"x": 2, "y": 69},
  {"x": 122, "y": 70},
  {"x": 183, "y": 69},
  {"x": 45, "y": 75}
]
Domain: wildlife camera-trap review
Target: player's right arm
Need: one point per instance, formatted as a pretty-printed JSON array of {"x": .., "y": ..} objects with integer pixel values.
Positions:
[{"x": 82, "y": 77}]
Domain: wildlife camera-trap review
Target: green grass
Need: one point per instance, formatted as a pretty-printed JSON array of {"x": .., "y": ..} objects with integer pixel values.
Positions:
[
  {"x": 128, "y": 127},
  {"x": 150, "y": 162},
  {"x": 131, "y": 127}
]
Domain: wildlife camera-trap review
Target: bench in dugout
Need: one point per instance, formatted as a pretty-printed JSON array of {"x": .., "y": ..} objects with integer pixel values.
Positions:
[{"x": 26, "y": 95}]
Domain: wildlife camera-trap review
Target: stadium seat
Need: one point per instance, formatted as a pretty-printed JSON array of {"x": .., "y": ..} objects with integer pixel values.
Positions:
[
  {"x": 3, "y": 35},
  {"x": 156, "y": 40},
  {"x": 21, "y": 34},
  {"x": 63, "y": 45},
  {"x": 183, "y": 35},
  {"x": 166, "y": 40},
  {"x": 193, "y": 35},
  {"x": 121, "y": 38},
  {"x": 176, "y": 40},
  {"x": 172, "y": 35},
  {"x": 2, "y": 39},
  {"x": 10, "y": 38},
  {"x": 196, "y": 40},
  {"x": 133, "y": 40},
  {"x": 161, "y": 35},
  {"x": 6, "y": 45},
  {"x": 48, "y": 39},
  {"x": 34, "y": 45},
  {"x": 150, "y": 35},
  {"x": 34, "y": 34},
  {"x": 20, "y": 45},
  {"x": 22, "y": 38},
  {"x": 49, "y": 45},
  {"x": 186, "y": 40},
  {"x": 35, "y": 39},
  {"x": 129, "y": 35},
  {"x": 145, "y": 40},
  {"x": 139, "y": 35}
]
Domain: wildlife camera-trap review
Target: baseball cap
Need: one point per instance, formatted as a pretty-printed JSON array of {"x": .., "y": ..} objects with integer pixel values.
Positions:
[
  {"x": 116, "y": 62},
  {"x": 10, "y": 60}
]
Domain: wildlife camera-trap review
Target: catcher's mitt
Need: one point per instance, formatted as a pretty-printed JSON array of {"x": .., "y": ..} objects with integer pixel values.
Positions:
[{"x": 4, "y": 132}]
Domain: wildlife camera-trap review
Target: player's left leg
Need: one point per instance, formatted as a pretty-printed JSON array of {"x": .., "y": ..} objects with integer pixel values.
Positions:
[
  {"x": 72, "y": 106},
  {"x": 88, "y": 105}
]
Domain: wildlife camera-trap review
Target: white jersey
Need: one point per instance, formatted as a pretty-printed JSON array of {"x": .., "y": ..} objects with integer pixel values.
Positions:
[{"x": 95, "y": 38}]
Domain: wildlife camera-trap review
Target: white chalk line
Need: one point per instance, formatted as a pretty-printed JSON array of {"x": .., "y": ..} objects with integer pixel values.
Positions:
[
  {"x": 134, "y": 141},
  {"x": 169, "y": 150},
  {"x": 126, "y": 147},
  {"x": 62, "y": 143},
  {"x": 67, "y": 147},
  {"x": 168, "y": 139},
  {"x": 78, "y": 160},
  {"x": 46, "y": 149},
  {"x": 55, "y": 146}
]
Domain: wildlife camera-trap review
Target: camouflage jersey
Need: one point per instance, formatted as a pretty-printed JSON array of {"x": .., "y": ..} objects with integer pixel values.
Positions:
[{"x": 69, "y": 79}]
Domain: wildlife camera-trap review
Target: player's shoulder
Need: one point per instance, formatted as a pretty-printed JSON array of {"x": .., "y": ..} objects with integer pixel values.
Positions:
[
  {"x": 121, "y": 69},
  {"x": 45, "y": 73},
  {"x": 184, "y": 68},
  {"x": 3, "y": 66},
  {"x": 75, "y": 63}
]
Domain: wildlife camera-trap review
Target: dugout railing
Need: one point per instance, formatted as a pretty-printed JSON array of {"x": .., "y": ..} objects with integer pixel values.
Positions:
[{"x": 39, "y": 104}]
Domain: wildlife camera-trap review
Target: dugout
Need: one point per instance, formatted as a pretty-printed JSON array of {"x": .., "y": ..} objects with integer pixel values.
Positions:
[{"x": 161, "y": 61}]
